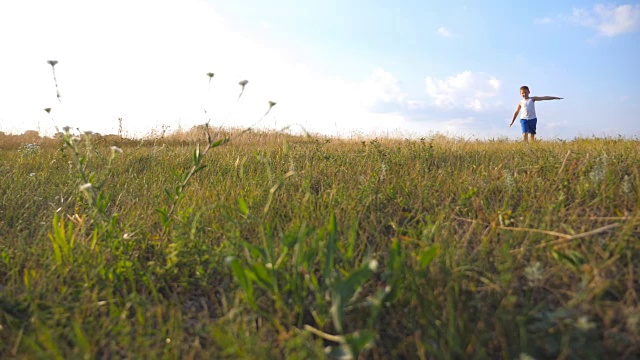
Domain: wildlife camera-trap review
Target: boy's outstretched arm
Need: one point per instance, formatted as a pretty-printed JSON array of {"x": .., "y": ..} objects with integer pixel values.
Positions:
[
  {"x": 540, "y": 98},
  {"x": 515, "y": 115}
]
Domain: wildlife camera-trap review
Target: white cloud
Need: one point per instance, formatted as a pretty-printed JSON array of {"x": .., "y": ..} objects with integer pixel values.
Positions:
[
  {"x": 146, "y": 61},
  {"x": 582, "y": 17},
  {"x": 381, "y": 86},
  {"x": 609, "y": 20},
  {"x": 454, "y": 126},
  {"x": 466, "y": 89},
  {"x": 442, "y": 31},
  {"x": 494, "y": 83},
  {"x": 544, "y": 20},
  {"x": 555, "y": 124}
]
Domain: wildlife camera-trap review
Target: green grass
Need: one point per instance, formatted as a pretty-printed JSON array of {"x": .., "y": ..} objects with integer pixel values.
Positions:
[{"x": 288, "y": 247}]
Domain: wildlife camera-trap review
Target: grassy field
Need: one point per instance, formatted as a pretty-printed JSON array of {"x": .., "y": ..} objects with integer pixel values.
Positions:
[{"x": 308, "y": 247}]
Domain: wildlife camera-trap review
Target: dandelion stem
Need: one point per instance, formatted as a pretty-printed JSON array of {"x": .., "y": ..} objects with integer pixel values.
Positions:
[
  {"x": 55, "y": 80},
  {"x": 242, "y": 83}
]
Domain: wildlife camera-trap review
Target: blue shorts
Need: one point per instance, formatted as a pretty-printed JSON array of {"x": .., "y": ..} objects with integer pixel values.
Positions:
[{"x": 529, "y": 126}]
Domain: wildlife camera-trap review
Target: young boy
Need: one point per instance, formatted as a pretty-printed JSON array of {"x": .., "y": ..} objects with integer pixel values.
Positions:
[{"x": 528, "y": 119}]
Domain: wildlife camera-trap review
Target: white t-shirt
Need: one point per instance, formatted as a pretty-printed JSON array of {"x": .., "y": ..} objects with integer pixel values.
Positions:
[{"x": 527, "y": 109}]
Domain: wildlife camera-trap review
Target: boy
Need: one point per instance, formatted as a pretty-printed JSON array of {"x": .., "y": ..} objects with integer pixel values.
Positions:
[{"x": 528, "y": 119}]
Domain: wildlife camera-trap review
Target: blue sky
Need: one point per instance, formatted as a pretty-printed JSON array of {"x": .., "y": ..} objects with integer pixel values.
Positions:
[{"x": 402, "y": 68}]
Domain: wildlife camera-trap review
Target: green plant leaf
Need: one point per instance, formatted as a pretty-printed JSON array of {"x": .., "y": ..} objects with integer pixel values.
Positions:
[
  {"x": 164, "y": 217},
  {"x": 427, "y": 255},
  {"x": 239, "y": 273},
  {"x": 343, "y": 292},
  {"x": 196, "y": 154},
  {"x": 330, "y": 250},
  {"x": 263, "y": 276},
  {"x": 198, "y": 169},
  {"x": 242, "y": 205},
  {"x": 219, "y": 142},
  {"x": 359, "y": 341}
]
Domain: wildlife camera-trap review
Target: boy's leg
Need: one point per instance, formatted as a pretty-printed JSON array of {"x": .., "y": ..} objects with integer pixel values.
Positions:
[
  {"x": 525, "y": 130},
  {"x": 532, "y": 128}
]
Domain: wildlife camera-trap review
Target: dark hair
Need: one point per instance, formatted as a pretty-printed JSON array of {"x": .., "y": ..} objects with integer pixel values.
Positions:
[{"x": 524, "y": 88}]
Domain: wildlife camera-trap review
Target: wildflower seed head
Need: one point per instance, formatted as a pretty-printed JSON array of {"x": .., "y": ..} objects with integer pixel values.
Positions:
[
  {"x": 597, "y": 174},
  {"x": 272, "y": 104},
  {"x": 210, "y": 75},
  {"x": 534, "y": 274},
  {"x": 48, "y": 110},
  {"x": 66, "y": 129},
  {"x": 373, "y": 265},
  {"x": 243, "y": 83},
  {"x": 52, "y": 62},
  {"x": 27, "y": 150},
  {"x": 509, "y": 180},
  {"x": 627, "y": 186},
  {"x": 584, "y": 324},
  {"x": 599, "y": 171}
]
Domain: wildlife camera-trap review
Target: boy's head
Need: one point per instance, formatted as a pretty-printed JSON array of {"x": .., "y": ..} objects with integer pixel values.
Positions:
[{"x": 524, "y": 91}]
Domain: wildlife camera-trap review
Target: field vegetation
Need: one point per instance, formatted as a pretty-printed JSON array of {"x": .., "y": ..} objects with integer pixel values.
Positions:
[{"x": 265, "y": 245}]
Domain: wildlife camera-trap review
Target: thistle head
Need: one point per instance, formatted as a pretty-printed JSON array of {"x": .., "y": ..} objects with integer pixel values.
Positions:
[
  {"x": 52, "y": 62},
  {"x": 242, "y": 83},
  {"x": 210, "y": 75},
  {"x": 48, "y": 110},
  {"x": 271, "y": 105}
]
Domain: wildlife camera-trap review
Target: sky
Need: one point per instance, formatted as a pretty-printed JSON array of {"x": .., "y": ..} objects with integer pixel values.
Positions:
[{"x": 404, "y": 68}]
